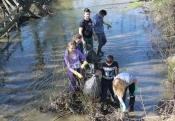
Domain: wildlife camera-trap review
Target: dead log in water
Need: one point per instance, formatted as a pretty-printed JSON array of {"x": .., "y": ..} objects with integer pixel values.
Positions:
[
  {"x": 9, "y": 21},
  {"x": 13, "y": 10},
  {"x": 11, "y": 15}
]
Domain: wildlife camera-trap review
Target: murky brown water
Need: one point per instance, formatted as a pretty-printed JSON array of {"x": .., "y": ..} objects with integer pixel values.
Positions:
[{"x": 32, "y": 67}]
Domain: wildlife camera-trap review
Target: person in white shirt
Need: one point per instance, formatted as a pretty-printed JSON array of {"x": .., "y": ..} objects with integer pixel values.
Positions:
[{"x": 121, "y": 83}]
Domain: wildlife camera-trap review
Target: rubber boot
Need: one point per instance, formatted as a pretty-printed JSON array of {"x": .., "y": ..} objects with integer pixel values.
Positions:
[
  {"x": 101, "y": 107},
  {"x": 131, "y": 103},
  {"x": 99, "y": 52},
  {"x": 115, "y": 101}
]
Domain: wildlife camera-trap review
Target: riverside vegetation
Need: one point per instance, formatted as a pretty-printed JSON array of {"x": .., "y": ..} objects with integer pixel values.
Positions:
[{"x": 163, "y": 14}]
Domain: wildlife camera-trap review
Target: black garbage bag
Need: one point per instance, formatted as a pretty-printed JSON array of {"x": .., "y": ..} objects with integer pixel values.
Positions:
[
  {"x": 90, "y": 54},
  {"x": 92, "y": 58},
  {"x": 92, "y": 87}
]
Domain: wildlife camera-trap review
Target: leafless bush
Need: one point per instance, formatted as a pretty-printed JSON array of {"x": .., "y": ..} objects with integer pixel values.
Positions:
[
  {"x": 163, "y": 38},
  {"x": 163, "y": 14}
]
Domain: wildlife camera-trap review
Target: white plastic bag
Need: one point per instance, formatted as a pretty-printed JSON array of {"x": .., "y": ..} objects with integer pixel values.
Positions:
[{"x": 92, "y": 87}]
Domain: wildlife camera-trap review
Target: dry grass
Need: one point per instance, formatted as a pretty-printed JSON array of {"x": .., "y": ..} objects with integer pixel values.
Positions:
[{"x": 163, "y": 38}]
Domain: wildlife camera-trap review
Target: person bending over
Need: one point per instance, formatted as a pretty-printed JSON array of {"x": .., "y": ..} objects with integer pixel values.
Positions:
[{"x": 121, "y": 83}]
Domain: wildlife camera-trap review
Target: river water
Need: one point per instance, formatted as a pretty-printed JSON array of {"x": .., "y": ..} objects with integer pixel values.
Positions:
[{"x": 32, "y": 66}]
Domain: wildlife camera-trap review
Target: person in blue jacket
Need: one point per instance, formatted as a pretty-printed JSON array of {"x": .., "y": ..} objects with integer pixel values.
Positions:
[{"x": 98, "y": 29}]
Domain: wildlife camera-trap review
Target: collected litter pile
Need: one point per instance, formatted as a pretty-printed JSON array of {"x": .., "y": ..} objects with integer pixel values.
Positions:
[
  {"x": 86, "y": 103},
  {"x": 83, "y": 104}
]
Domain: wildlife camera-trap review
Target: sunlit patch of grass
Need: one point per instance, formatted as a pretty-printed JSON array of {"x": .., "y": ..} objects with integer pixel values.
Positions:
[
  {"x": 161, "y": 1},
  {"x": 171, "y": 71},
  {"x": 60, "y": 70},
  {"x": 133, "y": 5},
  {"x": 124, "y": 69},
  {"x": 1, "y": 72}
]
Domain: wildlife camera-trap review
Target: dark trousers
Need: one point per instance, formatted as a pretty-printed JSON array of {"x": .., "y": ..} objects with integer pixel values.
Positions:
[
  {"x": 131, "y": 93},
  {"x": 105, "y": 85},
  {"x": 101, "y": 39},
  {"x": 80, "y": 47}
]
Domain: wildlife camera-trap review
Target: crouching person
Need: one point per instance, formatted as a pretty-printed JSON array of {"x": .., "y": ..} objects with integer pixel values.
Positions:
[
  {"x": 75, "y": 69},
  {"x": 123, "y": 81}
]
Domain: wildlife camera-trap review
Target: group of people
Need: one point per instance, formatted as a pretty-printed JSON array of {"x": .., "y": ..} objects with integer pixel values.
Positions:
[
  {"x": 93, "y": 28},
  {"x": 117, "y": 83}
]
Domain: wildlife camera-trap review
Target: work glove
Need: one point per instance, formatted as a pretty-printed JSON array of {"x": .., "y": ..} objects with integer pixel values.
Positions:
[
  {"x": 109, "y": 26},
  {"x": 78, "y": 74},
  {"x": 136, "y": 90},
  {"x": 124, "y": 107},
  {"x": 84, "y": 64},
  {"x": 95, "y": 37}
]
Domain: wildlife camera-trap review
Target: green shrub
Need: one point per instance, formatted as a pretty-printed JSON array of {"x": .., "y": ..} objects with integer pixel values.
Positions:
[{"x": 133, "y": 5}]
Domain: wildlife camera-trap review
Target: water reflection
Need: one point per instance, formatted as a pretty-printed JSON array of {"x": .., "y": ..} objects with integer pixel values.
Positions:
[{"x": 81, "y": 4}]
